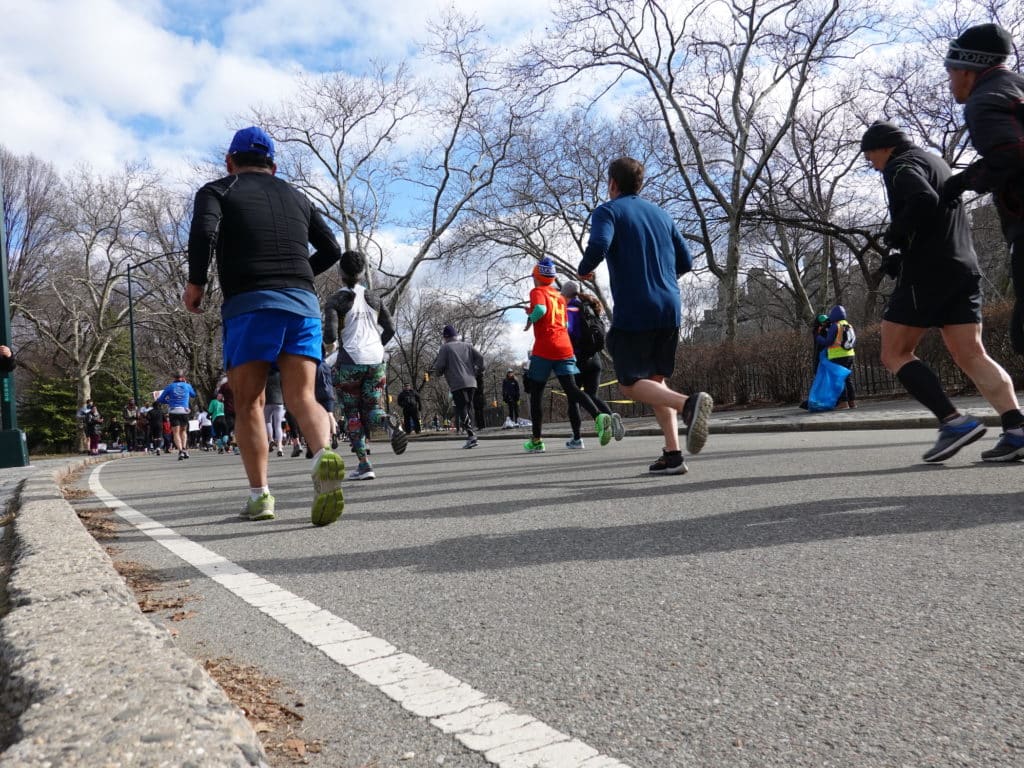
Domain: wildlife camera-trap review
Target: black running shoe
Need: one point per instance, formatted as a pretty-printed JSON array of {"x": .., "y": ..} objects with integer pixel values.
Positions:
[
  {"x": 669, "y": 464},
  {"x": 399, "y": 440}
]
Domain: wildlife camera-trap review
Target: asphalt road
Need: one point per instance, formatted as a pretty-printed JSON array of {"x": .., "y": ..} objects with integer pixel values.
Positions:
[{"x": 799, "y": 599}]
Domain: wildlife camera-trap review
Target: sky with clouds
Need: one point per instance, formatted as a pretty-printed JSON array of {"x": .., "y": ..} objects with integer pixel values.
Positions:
[
  {"x": 111, "y": 81},
  {"x": 107, "y": 82}
]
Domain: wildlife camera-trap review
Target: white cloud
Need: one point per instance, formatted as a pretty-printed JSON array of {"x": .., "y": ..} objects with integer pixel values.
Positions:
[{"x": 114, "y": 81}]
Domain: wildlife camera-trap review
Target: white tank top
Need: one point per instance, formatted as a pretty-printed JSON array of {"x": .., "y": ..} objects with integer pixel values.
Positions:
[{"x": 360, "y": 337}]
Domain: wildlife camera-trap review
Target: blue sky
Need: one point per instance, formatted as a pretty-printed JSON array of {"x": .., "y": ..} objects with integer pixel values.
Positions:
[
  {"x": 108, "y": 82},
  {"x": 111, "y": 81}
]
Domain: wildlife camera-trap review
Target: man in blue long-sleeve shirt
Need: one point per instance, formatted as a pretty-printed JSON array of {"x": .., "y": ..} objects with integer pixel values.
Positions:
[
  {"x": 177, "y": 396},
  {"x": 646, "y": 255}
]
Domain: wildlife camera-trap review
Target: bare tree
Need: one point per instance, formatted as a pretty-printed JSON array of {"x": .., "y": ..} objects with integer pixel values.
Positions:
[
  {"x": 81, "y": 312},
  {"x": 337, "y": 137},
  {"x": 727, "y": 79},
  {"x": 540, "y": 207},
  {"x": 456, "y": 128},
  {"x": 168, "y": 337},
  {"x": 33, "y": 197}
]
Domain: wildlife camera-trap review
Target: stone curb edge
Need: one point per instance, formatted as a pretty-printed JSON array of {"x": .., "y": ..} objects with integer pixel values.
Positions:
[{"x": 91, "y": 680}]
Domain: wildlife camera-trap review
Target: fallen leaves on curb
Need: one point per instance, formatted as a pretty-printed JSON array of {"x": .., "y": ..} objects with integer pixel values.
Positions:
[
  {"x": 98, "y": 521},
  {"x": 247, "y": 687},
  {"x": 255, "y": 693}
]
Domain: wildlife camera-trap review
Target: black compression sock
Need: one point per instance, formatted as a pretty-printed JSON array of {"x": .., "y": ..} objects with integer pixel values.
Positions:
[
  {"x": 922, "y": 383},
  {"x": 1012, "y": 420}
]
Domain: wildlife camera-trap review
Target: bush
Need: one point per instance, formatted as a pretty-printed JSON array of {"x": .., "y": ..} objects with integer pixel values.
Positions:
[{"x": 778, "y": 367}]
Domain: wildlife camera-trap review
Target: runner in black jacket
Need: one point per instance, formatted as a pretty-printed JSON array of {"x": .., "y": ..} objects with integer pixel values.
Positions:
[
  {"x": 937, "y": 285},
  {"x": 993, "y": 99}
]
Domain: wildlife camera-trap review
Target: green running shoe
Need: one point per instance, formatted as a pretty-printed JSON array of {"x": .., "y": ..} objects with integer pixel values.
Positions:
[
  {"x": 328, "y": 472},
  {"x": 259, "y": 509},
  {"x": 603, "y": 425},
  {"x": 534, "y": 446}
]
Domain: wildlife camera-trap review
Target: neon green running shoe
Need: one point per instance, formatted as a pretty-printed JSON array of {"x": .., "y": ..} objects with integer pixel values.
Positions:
[
  {"x": 259, "y": 509},
  {"x": 603, "y": 426},
  {"x": 329, "y": 503},
  {"x": 534, "y": 446}
]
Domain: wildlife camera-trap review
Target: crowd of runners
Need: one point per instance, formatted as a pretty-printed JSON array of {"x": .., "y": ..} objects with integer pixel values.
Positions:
[{"x": 282, "y": 350}]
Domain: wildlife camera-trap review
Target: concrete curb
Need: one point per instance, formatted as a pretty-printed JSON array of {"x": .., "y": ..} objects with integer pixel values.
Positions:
[{"x": 89, "y": 678}]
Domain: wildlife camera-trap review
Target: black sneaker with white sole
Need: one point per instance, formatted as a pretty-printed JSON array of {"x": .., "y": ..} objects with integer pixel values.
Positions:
[{"x": 669, "y": 463}]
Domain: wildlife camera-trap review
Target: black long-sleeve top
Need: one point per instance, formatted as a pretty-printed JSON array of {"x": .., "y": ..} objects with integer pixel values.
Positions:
[
  {"x": 994, "y": 114},
  {"x": 935, "y": 240},
  {"x": 260, "y": 228}
]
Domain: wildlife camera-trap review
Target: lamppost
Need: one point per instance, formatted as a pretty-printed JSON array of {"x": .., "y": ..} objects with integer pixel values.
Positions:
[
  {"x": 131, "y": 319},
  {"x": 13, "y": 449}
]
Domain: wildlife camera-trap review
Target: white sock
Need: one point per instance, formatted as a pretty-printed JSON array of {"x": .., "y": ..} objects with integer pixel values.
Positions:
[
  {"x": 255, "y": 493},
  {"x": 317, "y": 455},
  {"x": 1018, "y": 431}
]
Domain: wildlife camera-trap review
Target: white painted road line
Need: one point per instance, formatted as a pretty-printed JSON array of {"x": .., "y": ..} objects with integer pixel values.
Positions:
[{"x": 505, "y": 738}]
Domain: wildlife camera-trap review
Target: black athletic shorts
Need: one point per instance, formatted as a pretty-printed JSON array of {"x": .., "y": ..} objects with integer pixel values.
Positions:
[
  {"x": 642, "y": 354},
  {"x": 178, "y": 419},
  {"x": 933, "y": 306}
]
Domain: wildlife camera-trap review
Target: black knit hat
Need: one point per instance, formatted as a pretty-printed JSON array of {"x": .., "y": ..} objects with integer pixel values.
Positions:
[
  {"x": 881, "y": 135},
  {"x": 979, "y": 48}
]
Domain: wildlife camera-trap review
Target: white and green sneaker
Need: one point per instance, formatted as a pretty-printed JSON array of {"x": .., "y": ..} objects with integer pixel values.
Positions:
[
  {"x": 618, "y": 428},
  {"x": 259, "y": 509},
  {"x": 533, "y": 446},
  {"x": 329, "y": 502},
  {"x": 603, "y": 427}
]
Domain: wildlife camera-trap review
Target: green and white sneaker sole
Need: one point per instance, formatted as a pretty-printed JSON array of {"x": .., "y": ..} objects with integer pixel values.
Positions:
[{"x": 329, "y": 501}]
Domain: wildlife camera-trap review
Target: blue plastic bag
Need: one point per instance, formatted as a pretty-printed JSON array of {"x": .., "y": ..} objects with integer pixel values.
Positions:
[{"x": 827, "y": 385}]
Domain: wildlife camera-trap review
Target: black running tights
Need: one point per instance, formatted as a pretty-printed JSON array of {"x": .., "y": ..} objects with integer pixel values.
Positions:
[{"x": 572, "y": 392}]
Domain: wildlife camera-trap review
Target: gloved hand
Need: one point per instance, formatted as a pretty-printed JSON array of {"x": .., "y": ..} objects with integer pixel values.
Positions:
[
  {"x": 891, "y": 265},
  {"x": 892, "y": 239},
  {"x": 953, "y": 188}
]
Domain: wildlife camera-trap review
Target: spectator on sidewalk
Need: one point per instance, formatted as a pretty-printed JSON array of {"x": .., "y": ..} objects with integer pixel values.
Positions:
[
  {"x": 93, "y": 429},
  {"x": 938, "y": 284},
  {"x": 131, "y": 425},
  {"x": 510, "y": 396},
  {"x": 839, "y": 340},
  {"x": 7, "y": 361}
]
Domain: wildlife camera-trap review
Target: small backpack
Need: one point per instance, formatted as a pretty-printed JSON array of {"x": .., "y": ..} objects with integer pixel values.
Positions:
[
  {"x": 589, "y": 332},
  {"x": 849, "y": 340}
]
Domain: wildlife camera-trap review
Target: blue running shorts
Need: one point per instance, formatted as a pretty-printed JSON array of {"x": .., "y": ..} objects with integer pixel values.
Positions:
[
  {"x": 541, "y": 368},
  {"x": 265, "y": 334}
]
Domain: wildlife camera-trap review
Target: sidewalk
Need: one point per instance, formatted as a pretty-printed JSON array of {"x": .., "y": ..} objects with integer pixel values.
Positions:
[
  {"x": 871, "y": 414},
  {"x": 87, "y": 679}
]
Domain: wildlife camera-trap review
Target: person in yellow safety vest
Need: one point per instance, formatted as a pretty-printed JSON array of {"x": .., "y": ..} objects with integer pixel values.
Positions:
[{"x": 839, "y": 338}]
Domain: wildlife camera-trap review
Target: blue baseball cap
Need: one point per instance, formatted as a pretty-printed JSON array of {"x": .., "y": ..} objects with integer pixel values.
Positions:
[{"x": 252, "y": 139}]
